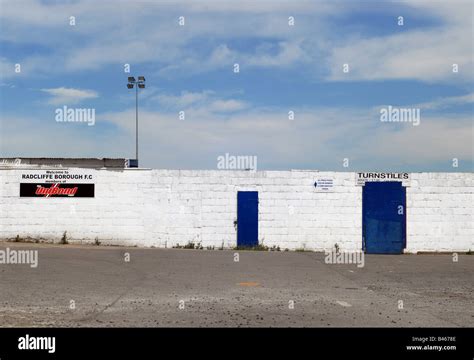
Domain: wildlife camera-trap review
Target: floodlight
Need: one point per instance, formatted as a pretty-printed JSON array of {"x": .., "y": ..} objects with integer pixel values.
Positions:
[{"x": 137, "y": 84}]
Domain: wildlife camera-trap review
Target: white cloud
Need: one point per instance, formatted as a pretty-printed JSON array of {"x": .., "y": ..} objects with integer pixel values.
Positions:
[
  {"x": 426, "y": 55},
  {"x": 446, "y": 102},
  {"x": 227, "y": 105},
  {"x": 434, "y": 140},
  {"x": 7, "y": 69},
  {"x": 127, "y": 32},
  {"x": 183, "y": 100},
  {"x": 318, "y": 138},
  {"x": 289, "y": 53},
  {"x": 199, "y": 101},
  {"x": 48, "y": 138},
  {"x": 69, "y": 96}
]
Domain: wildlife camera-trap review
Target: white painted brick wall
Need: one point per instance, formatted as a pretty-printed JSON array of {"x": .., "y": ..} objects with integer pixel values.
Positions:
[
  {"x": 440, "y": 212},
  {"x": 169, "y": 207}
]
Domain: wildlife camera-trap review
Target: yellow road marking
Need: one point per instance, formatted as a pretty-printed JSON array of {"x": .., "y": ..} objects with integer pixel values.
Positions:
[{"x": 248, "y": 283}]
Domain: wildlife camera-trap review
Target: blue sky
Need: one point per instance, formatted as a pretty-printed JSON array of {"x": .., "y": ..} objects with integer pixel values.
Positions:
[{"x": 282, "y": 68}]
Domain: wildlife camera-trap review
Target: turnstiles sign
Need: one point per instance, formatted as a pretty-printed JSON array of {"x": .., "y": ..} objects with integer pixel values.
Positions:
[{"x": 363, "y": 177}]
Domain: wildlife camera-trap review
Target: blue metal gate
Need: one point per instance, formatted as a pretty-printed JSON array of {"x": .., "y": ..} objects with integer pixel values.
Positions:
[
  {"x": 383, "y": 218},
  {"x": 247, "y": 218}
]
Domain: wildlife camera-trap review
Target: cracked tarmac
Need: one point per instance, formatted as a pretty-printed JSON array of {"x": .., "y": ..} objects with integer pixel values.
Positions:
[{"x": 201, "y": 288}]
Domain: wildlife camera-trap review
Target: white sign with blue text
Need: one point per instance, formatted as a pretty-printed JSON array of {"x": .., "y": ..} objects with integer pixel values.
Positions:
[{"x": 323, "y": 184}]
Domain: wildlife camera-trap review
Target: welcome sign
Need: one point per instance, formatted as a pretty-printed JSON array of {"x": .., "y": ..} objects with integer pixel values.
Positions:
[{"x": 57, "y": 183}]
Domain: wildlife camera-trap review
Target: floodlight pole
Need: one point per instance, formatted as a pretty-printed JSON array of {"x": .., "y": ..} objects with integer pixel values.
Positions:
[
  {"x": 136, "y": 122},
  {"x": 137, "y": 83}
]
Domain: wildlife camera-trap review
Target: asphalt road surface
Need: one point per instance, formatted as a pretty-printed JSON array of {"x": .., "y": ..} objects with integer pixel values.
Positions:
[{"x": 95, "y": 286}]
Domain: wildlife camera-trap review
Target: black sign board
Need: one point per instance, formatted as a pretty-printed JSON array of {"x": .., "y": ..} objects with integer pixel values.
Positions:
[{"x": 56, "y": 190}]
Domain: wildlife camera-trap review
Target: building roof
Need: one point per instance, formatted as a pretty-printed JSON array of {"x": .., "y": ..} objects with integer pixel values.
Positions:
[{"x": 118, "y": 163}]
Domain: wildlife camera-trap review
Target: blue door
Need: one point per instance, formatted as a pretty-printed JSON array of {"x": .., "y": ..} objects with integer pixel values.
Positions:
[
  {"x": 247, "y": 218},
  {"x": 383, "y": 217}
]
